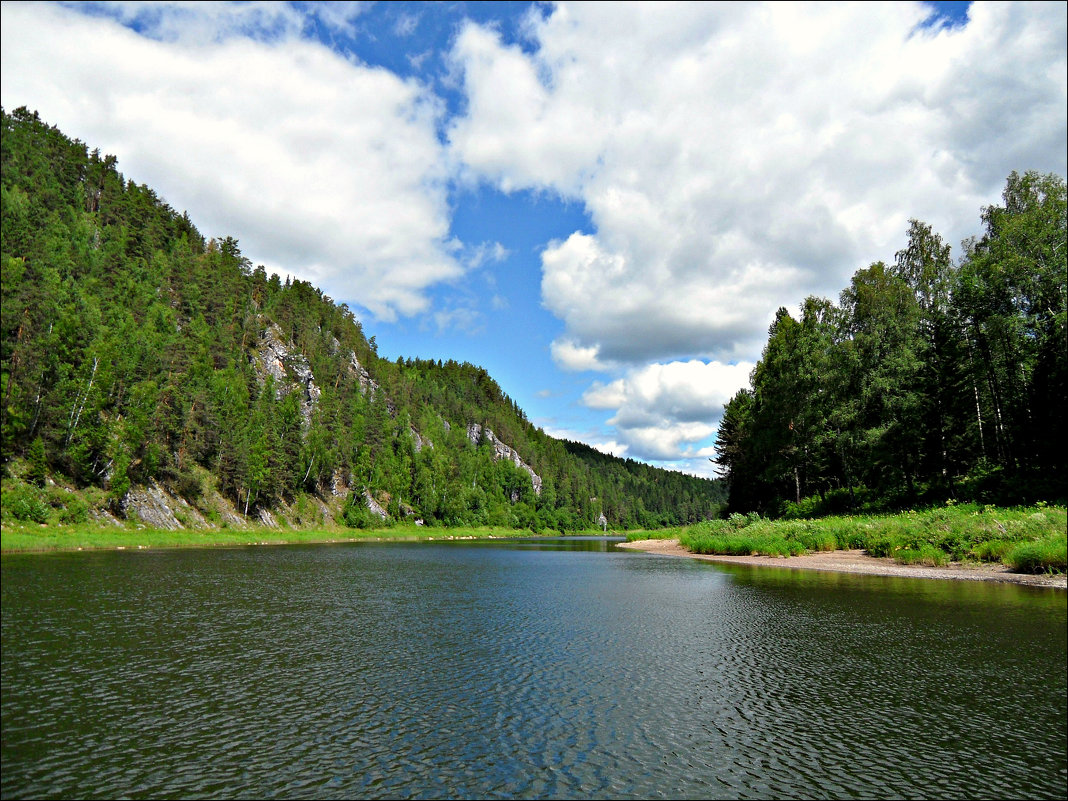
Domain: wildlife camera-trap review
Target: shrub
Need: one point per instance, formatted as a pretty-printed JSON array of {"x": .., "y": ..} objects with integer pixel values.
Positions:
[
  {"x": 992, "y": 550},
  {"x": 72, "y": 508},
  {"x": 881, "y": 544},
  {"x": 811, "y": 536},
  {"x": 188, "y": 485},
  {"x": 1048, "y": 555},
  {"x": 926, "y": 554},
  {"x": 24, "y": 502},
  {"x": 357, "y": 515},
  {"x": 703, "y": 539}
]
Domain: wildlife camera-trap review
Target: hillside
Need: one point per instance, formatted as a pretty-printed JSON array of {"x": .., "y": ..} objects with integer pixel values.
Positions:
[{"x": 141, "y": 360}]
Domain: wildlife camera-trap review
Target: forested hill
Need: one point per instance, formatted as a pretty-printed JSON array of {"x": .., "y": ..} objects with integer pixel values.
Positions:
[
  {"x": 136, "y": 353},
  {"x": 929, "y": 381}
]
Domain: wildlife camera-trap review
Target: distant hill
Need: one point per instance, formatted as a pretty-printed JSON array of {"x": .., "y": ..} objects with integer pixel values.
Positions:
[{"x": 140, "y": 358}]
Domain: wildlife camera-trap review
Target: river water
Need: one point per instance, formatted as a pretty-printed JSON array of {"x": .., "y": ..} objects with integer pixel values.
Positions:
[{"x": 533, "y": 669}]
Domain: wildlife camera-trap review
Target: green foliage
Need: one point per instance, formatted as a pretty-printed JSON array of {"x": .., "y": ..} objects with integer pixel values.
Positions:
[
  {"x": 1048, "y": 555},
  {"x": 119, "y": 484},
  {"x": 925, "y": 554},
  {"x": 38, "y": 469},
  {"x": 356, "y": 514},
  {"x": 993, "y": 550},
  {"x": 928, "y": 381},
  {"x": 25, "y": 502},
  {"x": 1026, "y": 539},
  {"x": 133, "y": 350},
  {"x": 70, "y": 508}
]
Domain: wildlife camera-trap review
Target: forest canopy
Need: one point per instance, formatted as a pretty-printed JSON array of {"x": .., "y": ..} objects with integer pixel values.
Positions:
[
  {"x": 929, "y": 381},
  {"x": 135, "y": 350}
]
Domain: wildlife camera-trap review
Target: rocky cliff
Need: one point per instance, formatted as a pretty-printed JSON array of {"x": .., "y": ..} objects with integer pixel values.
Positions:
[
  {"x": 477, "y": 434},
  {"x": 280, "y": 359}
]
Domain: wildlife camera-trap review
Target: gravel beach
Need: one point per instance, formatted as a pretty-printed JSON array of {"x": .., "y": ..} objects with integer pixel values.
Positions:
[{"x": 859, "y": 562}]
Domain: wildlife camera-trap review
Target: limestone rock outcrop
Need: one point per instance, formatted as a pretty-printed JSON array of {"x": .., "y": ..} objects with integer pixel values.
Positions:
[
  {"x": 419, "y": 442},
  {"x": 374, "y": 506},
  {"x": 278, "y": 358},
  {"x": 476, "y": 434}
]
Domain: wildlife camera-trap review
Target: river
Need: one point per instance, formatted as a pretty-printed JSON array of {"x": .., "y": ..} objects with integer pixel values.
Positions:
[{"x": 519, "y": 669}]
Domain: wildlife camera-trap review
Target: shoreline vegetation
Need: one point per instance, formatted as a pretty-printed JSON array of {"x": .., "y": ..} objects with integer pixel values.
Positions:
[
  {"x": 1021, "y": 545},
  {"x": 860, "y": 562},
  {"x": 45, "y": 538},
  {"x": 965, "y": 541}
]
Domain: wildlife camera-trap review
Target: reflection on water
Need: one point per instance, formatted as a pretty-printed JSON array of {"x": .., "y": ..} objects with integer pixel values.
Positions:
[{"x": 551, "y": 669}]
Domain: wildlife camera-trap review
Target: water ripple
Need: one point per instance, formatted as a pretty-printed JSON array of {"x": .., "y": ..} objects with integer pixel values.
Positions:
[{"x": 454, "y": 672}]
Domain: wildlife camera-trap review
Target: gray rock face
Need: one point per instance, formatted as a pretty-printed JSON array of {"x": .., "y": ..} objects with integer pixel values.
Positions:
[
  {"x": 374, "y": 506},
  {"x": 419, "y": 442},
  {"x": 267, "y": 519},
  {"x": 149, "y": 504},
  {"x": 367, "y": 384},
  {"x": 154, "y": 506},
  {"x": 476, "y": 433},
  {"x": 289, "y": 368},
  {"x": 339, "y": 484}
]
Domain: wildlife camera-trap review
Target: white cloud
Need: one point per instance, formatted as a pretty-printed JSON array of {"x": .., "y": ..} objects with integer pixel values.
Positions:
[
  {"x": 196, "y": 21},
  {"x": 406, "y": 24},
  {"x": 485, "y": 253},
  {"x": 737, "y": 157},
  {"x": 505, "y": 97},
  {"x": 575, "y": 358},
  {"x": 321, "y": 167},
  {"x": 459, "y": 318},
  {"x": 665, "y": 411}
]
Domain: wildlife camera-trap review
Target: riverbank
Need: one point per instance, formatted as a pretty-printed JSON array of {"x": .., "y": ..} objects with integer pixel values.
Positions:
[
  {"x": 31, "y": 538},
  {"x": 858, "y": 561}
]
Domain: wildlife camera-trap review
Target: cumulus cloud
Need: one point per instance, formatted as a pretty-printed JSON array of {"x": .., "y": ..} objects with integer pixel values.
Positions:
[
  {"x": 664, "y": 411},
  {"x": 736, "y": 157},
  {"x": 505, "y": 96},
  {"x": 575, "y": 358},
  {"x": 322, "y": 167}
]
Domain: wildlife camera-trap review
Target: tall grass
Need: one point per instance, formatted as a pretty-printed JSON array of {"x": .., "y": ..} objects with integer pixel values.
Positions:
[
  {"x": 1047, "y": 555},
  {"x": 1029, "y": 539}
]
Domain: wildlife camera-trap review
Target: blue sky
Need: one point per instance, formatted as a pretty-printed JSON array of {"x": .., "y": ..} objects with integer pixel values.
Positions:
[{"x": 603, "y": 204}]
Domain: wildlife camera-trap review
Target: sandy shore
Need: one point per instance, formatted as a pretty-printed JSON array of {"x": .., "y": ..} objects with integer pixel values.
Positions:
[{"x": 858, "y": 562}]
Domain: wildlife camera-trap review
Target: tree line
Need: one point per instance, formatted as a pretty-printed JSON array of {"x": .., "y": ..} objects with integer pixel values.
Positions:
[
  {"x": 131, "y": 350},
  {"x": 929, "y": 381}
]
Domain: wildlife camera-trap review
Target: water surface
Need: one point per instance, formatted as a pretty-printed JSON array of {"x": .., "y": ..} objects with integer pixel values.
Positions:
[{"x": 548, "y": 669}]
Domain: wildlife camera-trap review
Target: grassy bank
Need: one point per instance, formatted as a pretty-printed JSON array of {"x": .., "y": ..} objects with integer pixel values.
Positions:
[
  {"x": 34, "y": 537},
  {"x": 1031, "y": 540},
  {"x": 61, "y": 517}
]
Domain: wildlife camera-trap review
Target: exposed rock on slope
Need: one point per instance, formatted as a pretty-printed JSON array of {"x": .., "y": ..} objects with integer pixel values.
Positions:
[
  {"x": 367, "y": 384},
  {"x": 476, "y": 434},
  {"x": 374, "y": 506},
  {"x": 289, "y": 367},
  {"x": 418, "y": 442},
  {"x": 156, "y": 507}
]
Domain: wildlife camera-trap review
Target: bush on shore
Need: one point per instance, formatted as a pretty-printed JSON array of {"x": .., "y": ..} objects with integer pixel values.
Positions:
[{"x": 1028, "y": 539}]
